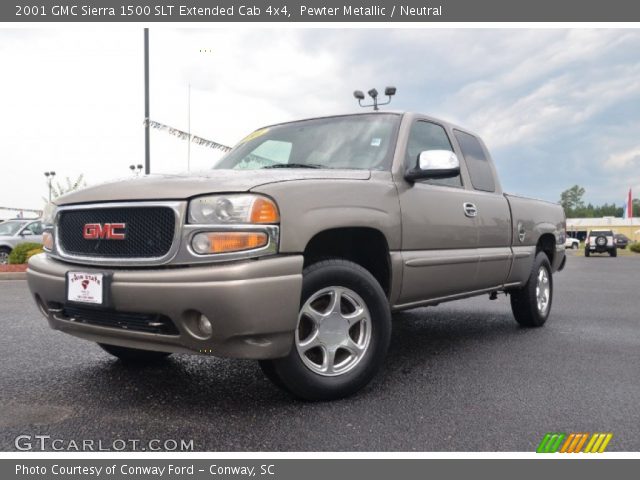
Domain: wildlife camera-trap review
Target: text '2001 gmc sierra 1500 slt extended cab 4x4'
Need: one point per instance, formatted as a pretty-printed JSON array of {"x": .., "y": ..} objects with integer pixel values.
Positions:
[{"x": 296, "y": 248}]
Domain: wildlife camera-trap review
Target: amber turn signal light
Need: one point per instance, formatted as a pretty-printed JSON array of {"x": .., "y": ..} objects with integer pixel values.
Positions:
[
  {"x": 225, "y": 242},
  {"x": 47, "y": 240},
  {"x": 264, "y": 210}
]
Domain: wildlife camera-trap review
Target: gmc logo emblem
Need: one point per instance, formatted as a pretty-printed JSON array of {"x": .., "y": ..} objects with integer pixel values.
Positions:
[{"x": 106, "y": 231}]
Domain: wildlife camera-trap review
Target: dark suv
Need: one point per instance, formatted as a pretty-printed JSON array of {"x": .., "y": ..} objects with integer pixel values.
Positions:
[{"x": 621, "y": 240}]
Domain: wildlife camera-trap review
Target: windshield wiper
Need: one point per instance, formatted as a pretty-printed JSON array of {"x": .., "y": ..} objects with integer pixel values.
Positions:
[{"x": 296, "y": 165}]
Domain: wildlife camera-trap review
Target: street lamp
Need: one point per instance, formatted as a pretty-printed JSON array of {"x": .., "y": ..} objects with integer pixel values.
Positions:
[
  {"x": 373, "y": 93},
  {"x": 50, "y": 176}
]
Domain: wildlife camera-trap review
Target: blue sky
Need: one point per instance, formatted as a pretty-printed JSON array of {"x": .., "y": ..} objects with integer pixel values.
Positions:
[{"x": 555, "y": 106}]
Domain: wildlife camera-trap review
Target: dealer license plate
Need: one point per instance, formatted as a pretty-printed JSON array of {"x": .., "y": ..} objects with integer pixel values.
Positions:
[{"x": 86, "y": 287}]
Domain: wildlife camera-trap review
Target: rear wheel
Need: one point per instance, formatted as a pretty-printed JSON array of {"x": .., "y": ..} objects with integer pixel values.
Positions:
[
  {"x": 134, "y": 355},
  {"x": 4, "y": 255},
  {"x": 574, "y": 246},
  {"x": 613, "y": 252},
  {"x": 342, "y": 336},
  {"x": 532, "y": 303}
]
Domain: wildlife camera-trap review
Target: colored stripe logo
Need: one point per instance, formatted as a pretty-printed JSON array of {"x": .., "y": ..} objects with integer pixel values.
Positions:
[{"x": 574, "y": 443}]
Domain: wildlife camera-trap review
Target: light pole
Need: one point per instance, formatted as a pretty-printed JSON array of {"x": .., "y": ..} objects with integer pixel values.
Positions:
[
  {"x": 147, "y": 138},
  {"x": 189, "y": 130},
  {"x": 50, "y": 176}
]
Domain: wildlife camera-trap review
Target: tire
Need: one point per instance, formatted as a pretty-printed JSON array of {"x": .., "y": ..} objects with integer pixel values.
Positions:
[
  {"x": 613, "y": 252},
  {"x": 4, "y": 255},
  {"x": 269, "y": 371},
  {"x": 530, "y": 306},
  {"x": 587, "y": 252},
  {"x": 574, "y": 246},
  {"x": 134, "y": 355},
  {"x": 359, "y": 344}
]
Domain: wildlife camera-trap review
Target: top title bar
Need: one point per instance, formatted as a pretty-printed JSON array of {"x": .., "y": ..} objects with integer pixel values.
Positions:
[{"x": 320, "y": 11}]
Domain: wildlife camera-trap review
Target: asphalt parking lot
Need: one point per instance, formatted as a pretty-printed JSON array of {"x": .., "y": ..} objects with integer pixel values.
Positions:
[{"x": 459, "y": 377}]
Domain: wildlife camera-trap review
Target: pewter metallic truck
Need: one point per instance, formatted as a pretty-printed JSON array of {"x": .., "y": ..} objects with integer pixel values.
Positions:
[{"x": 296, "y": 248}]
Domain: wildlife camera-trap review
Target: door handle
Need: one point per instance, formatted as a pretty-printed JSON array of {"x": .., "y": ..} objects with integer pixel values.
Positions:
[{"x": 470, "y": 209}]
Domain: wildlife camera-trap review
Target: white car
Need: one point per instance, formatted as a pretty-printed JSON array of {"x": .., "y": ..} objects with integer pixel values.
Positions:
[
  {"x": 572, "y": 243},
  {"x": 15, "y": 232}
]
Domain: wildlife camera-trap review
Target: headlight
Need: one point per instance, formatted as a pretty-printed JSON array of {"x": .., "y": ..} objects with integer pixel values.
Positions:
[
  {"x": 49, "y": 214},
  {"x": 233, "y": 209}
]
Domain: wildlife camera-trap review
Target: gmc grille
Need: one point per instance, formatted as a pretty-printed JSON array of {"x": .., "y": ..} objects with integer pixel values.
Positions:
[{"x": 149, "y": 232}]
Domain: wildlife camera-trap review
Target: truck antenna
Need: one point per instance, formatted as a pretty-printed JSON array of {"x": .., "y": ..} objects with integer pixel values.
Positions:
[{"x": 373, "y": 93}]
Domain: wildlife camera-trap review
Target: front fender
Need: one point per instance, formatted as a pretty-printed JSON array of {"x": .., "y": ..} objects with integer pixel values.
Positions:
[{"x": 309, "y": 207}]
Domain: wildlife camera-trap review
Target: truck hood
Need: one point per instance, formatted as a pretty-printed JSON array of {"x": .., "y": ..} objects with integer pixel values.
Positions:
[{"x": 183, "y": 186}]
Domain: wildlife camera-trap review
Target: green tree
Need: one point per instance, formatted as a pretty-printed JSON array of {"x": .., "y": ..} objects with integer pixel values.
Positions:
[{"x": 571, "y": 199}]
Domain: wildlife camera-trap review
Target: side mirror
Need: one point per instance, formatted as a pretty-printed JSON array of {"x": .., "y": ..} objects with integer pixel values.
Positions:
[{"x": 435, "y": 164}]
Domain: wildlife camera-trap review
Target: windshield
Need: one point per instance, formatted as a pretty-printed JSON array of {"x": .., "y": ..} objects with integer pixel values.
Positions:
[
  {"x": 362, "y": 142},
  {"x": 10, "y": 228}
]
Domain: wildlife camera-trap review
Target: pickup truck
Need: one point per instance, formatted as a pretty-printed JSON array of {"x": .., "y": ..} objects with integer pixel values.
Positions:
[{"x": 296, "y": 248}]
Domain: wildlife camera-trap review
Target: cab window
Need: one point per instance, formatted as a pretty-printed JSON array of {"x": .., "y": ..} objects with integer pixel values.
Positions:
[{"x": 429, "y": 136}]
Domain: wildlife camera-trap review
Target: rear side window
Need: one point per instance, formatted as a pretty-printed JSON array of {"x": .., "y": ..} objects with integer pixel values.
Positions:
[{"x": 477, "y": 162}]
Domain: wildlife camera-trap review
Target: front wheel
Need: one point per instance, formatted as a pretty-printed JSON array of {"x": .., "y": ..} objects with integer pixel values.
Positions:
[
  {"x": 574, "y": 246},
  {"x": 134, "y": 355},
  {"x": 532, "y": 303},
  {"x": 587, "y": 252},
  {"x": 4, "y": 255},
  {"x": 342, "y": 335}
]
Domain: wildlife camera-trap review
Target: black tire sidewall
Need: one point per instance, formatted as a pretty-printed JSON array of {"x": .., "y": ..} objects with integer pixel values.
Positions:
[
  {"x": 306, "y": 384},
  {"x": 541, "y": 261},
  {"x": 6, "y": 250},
  {"x": 524, "y": 302}
]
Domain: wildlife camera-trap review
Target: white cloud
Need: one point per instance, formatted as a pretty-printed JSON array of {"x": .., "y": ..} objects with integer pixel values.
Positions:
[
  {"x": 568, "y": 78},
  {"x": 628, "y": 158},
  {"x": 72, "y": 99}
]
